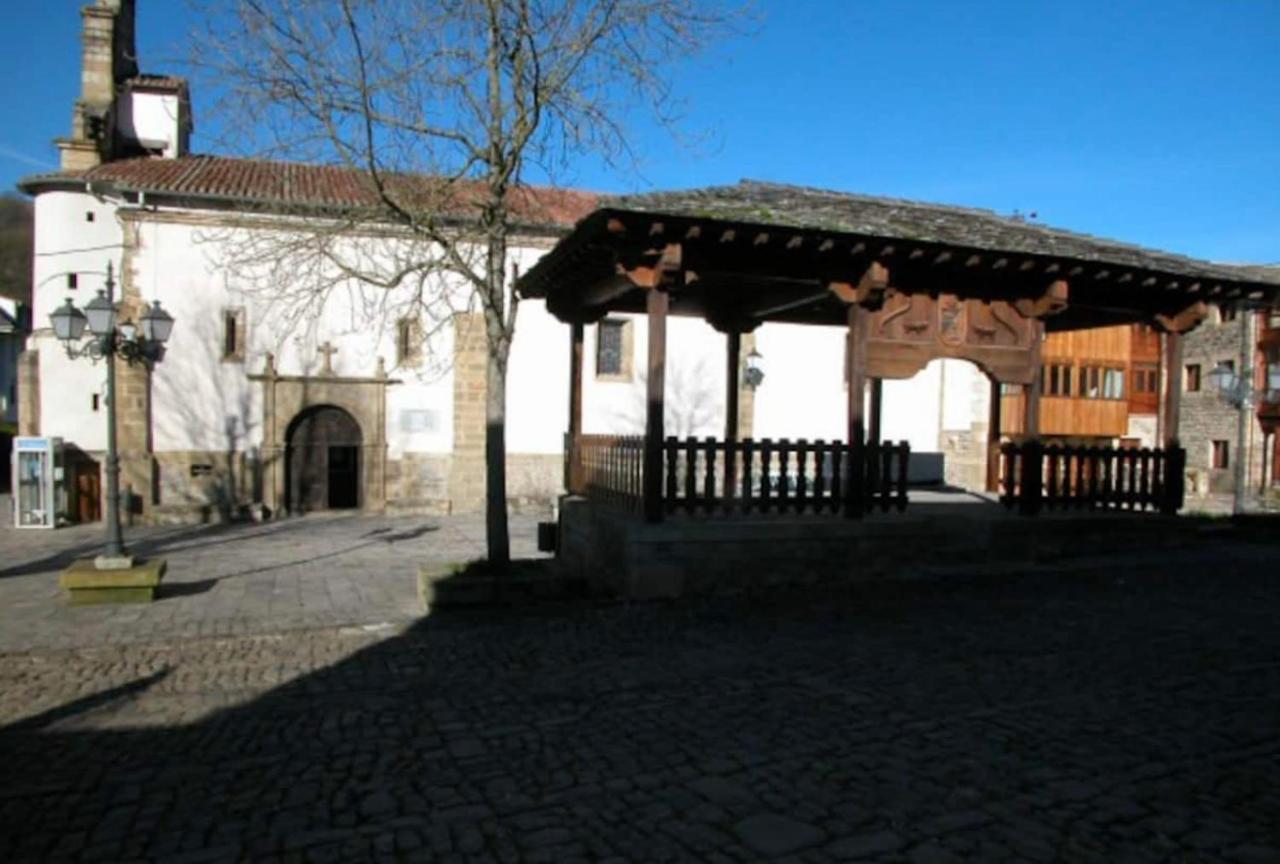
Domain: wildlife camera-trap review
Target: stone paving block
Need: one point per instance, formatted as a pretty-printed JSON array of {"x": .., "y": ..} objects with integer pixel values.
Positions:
[{"x": 772, "y": 834}]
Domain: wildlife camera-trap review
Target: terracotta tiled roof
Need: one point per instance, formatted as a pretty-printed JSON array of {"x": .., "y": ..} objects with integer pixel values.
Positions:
[{"x": 289, "y": 185}]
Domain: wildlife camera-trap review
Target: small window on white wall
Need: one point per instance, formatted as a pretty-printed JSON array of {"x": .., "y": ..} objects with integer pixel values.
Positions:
[
  {"x": 408, "y": 342},
  {"x": 233, "y": 335}
]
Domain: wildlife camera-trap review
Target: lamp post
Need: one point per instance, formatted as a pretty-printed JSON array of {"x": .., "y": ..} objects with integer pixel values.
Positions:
[
  {"x": 753, "y": 370},
  {"x": 107, "y": 340},
  {"x": 1239, "y": 391}
]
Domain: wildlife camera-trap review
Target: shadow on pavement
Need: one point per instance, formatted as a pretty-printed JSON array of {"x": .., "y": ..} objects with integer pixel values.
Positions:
[{"x": 991, "y": 719}]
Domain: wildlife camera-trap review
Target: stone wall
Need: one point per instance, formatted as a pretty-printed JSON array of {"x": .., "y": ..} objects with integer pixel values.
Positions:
[
  {"x": 29, "y": 393},
  {"x": 419, "y": 483},
  {"x": 466, "y": 471},
  {"x": 1206, "y": 417},
  {"x": 964, "y": 454},
  {"x": 206, "y": 486}
]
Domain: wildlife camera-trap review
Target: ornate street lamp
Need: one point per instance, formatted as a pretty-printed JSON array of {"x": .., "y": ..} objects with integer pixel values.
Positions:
[
  {"x": 106, "y": 341},
  {"x": 753, "y": 371}
]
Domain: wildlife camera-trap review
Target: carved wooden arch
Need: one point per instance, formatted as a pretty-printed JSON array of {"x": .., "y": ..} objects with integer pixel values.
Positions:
[{"x": 911, "y": 330}]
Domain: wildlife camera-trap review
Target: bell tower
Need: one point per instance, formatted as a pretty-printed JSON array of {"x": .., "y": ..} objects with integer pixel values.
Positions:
[{"x": 108, "y": 59}]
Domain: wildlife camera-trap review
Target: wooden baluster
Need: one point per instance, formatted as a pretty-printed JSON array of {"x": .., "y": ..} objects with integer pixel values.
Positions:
[
  {"x": 1144, "y": 458},
  {"x": 690, "y": 473},
  {"x": 709, "y": 480},
  {"x": 1158, "y": 467},
  {"x": 1135, "y": 459},
  {"x": 1104, "y": 476},
  {"x": 802, "y": 481},
  {"x": 904, "y": 464},
  {"x": 1082, "y": 477},
  {"x": 837, "y": 467},
  {"x": 872, "y": 450},
  {"x": 1032, "y": 494},
  {"x": 748, "y": 454},
  {"x": 819, "y": 475},
  {"x": 1091, "y": 477},
  {"x": 882, "y": 466},
  {"x": 1051, "y": 466},
  {"x": 672, "y": 458},
  {"x": 784, "y": 469},
  {"x": 766, "y": 470}
]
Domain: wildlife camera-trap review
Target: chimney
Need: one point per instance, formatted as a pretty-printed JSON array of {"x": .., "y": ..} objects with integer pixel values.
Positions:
[{"x": 108, "y": 58}]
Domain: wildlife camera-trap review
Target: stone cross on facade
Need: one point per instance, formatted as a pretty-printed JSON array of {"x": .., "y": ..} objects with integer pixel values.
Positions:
[{"x": 328, "y": 351}]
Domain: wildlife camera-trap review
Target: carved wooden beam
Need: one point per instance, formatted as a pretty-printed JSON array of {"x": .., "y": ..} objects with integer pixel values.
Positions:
[
  {"x": 1186, "y": 320},
  {"x": 654, "y": 271},
  {"x": 1051, "y": 302},
  {"x": 869, "y": 289}
]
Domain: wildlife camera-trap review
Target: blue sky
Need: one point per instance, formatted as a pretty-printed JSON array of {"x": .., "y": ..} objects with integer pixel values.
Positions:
[{"x": 1155, "y": 123}]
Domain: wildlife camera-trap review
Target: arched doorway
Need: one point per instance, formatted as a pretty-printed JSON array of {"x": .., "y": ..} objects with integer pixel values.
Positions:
[{"x": 322, "y": 461}]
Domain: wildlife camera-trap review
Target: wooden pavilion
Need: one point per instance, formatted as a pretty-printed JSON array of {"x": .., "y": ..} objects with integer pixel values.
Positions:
[{"x": 910, "y": 283}]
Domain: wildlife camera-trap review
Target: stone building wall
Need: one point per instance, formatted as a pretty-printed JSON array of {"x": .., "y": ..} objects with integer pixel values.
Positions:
[
  {"x": 1206, "y": 417},
  {"x": 964, "y": 457}
]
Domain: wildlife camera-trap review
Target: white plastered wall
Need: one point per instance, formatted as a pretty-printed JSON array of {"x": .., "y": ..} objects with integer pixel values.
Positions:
[{"x": 68, "y": 241}]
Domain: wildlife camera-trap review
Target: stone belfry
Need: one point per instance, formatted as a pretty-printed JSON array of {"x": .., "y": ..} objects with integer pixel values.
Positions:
[{"x": 109, "y": 59}]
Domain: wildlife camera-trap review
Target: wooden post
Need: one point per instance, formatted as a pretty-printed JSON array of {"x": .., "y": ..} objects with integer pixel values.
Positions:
[
  {"x": 573, "y": 455},
  {"x": 1031, "y": 404},
  {"x": 733, "y": 354},
  {"x": 993, "y": 439},
  {"x": 1170, "y": 414},
  {"x": 855, "y": 358},
  {"x": 877, "y": 405},
  {"x": 1171, "y": 403},
  {"x": 656, "y": 304}
]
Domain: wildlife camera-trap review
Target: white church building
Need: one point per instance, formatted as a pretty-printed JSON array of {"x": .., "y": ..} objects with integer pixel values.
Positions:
[{"x": 275, "y": 396}]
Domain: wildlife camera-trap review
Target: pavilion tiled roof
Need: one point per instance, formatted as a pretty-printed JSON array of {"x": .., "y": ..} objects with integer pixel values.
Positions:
[
  {"x": 291, "y": 186},
  {"x": 757, "y": 202}
]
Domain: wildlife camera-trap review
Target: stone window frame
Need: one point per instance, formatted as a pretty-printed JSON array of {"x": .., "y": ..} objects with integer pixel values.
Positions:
[
  {"x": 626, "y": 363},
  {"x": 409, "y": 347},
  {"x": 237, "y": 332},
  {"x": 1191, "y": 378},
  {"x": 1220, "y": 454}
]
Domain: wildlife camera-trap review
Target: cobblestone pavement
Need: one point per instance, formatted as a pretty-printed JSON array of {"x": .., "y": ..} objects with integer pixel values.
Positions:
[
  {"x": 1125, "y": 715},
  {"x": 320, "y": 570}
]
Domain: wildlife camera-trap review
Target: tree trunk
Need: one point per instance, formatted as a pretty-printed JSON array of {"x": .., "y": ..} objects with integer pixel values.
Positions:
[{"x": 495, "y": 456}]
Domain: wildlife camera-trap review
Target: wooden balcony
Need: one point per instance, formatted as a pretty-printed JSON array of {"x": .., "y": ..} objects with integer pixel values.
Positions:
[{"x": 1068, "y": 417}]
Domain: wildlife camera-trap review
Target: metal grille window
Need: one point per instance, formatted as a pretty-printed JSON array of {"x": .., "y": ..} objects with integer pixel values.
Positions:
[{"x": 609, "y": 348}]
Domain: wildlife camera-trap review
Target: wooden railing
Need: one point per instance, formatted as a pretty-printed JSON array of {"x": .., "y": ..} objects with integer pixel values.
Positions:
[
  {"x": 1058, "y": 477},
  {"x": 707, "y": 475},
  {"x": 607, "y": 468}
]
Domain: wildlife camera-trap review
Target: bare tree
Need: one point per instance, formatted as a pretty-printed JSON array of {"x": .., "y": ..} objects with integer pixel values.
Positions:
[{"x": 442, "y": 106}]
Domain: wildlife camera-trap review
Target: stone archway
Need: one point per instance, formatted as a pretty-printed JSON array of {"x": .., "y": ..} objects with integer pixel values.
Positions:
[
  {"x": 287, "y": 399},
  {"x": 322, "y": 461}
]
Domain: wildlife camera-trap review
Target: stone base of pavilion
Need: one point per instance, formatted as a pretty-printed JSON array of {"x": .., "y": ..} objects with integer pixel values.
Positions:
[{"x": 617, "y": 553}]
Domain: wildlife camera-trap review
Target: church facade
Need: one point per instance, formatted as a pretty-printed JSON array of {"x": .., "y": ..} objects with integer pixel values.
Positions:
[{"x": 278, "y": 396}]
